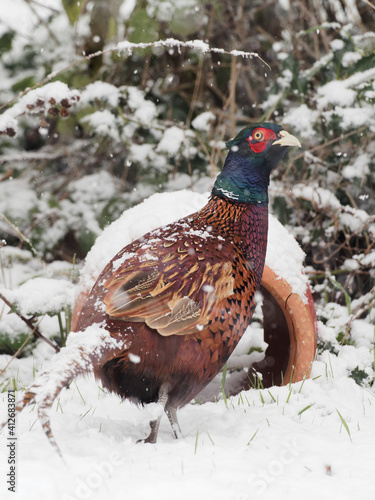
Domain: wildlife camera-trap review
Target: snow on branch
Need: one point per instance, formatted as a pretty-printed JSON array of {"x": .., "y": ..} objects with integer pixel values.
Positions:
[
  {"x": 53, "y": 99},
  {"x": 323, "y": 200},
  {"x": 190, "y": 44}
]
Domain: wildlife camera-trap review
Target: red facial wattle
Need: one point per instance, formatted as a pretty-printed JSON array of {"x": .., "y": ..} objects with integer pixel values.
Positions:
[{"x": 260, "y": 138}]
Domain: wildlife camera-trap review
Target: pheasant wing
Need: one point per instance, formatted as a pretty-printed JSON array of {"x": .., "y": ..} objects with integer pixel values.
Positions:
[{"x": 172, "y": 288}]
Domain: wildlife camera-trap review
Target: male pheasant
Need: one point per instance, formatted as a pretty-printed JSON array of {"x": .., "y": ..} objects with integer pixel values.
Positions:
[{"x": 179, "y": 299}]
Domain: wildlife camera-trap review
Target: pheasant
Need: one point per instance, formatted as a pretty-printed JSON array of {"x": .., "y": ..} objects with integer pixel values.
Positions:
[{"x": 175, "y": 303}]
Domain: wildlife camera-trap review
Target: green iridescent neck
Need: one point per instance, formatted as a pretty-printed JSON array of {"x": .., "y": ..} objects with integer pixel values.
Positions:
[{"x": 242, "y": 192}]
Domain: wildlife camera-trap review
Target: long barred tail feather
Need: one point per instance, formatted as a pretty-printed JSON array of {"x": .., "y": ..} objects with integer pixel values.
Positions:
[
  {"x": 46, "y": 425},
  {"x": 78, "y": 357}
]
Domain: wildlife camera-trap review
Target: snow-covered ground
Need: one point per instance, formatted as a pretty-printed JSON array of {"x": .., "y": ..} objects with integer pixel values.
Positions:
[
  {"x": 313, "y": 439},
  {"x": 263, "y": 445}
]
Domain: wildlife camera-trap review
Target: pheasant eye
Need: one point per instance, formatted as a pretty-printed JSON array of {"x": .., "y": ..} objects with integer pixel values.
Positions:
[
  {"x": 258, "y": 135},
  {"x": 260, "y": 138}
]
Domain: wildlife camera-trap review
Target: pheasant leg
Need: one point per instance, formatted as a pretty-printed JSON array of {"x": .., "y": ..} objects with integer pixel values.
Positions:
[{"x": 155, "y": 424}]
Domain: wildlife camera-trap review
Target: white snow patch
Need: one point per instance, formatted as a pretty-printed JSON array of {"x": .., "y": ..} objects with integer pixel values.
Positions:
[
  {"x": 359, "y": 169},
  {"x": 350, "y": 58},
  {"x": 202, "y": 121},
  {"x": 41, "y": 296},
  {"x": 16, "y": 198},
  {"x": 126, "y": 9},
  {"x": 100, "y": 91},
  {"x": 141, "y": 152},
  {"x": 172, "y": 141},
  {"x": 104, "y": 123},
  {"x": 320, "y": 197},
  {"x": 17, "y": 16},
  {"x": 145, "y": 111},
  {"x": 305, "y": 118},
  {"x": 336, "y": 93},
  {"x": 134, "y": 358},
  {"x": 366, "y": 259},
  {"x": 93, "y": 188},
  {"x": 337, "y": 44},
  {"x": 285, "y": 257},
  {"x": 354, "y": 117}
]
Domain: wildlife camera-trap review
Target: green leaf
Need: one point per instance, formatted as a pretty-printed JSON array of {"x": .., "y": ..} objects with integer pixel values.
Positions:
[
  {"x": 86, "y": 239},
  {"x": 186, "y": 21},
  {"x": 142, "y": 28},
  {"x": 23, "y": 84},
  {"x": 73, "y": 9},
  {"x": 6, "y": 41},
  {"x": 358, "y": 375},
  {"x": 363, "y": 64},
  {"x": 9, "y": 344}
]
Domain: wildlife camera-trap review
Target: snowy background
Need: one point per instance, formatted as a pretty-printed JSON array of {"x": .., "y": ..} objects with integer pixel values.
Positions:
[{"x": 83, "y": 139}]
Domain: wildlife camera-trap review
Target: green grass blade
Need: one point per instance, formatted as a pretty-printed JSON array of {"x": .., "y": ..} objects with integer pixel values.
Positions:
[
  {"x": 223, "y": 379},
  {"x": 253, "y": 436},
  {"x": 273, "y": 399},
  {"x": 290, "y": 393},
  {"x": 212, "y": 441},
  {"x": 346, "y": 427},
  {"x": 305, "y": 409},
  {"x": 196, "y": 442},
  {"x": 261, "y": 397},
  {"x": 224, "y": 375},
  {"x": 348, "y": 300}
]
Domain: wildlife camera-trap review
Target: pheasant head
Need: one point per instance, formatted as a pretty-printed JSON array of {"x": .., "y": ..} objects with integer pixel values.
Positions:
[{"x": 253, "y": 154}]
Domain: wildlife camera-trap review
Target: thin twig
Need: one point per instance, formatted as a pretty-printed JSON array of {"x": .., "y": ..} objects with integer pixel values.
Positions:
[
  {"x": 22, "y": 237},
  {"x": 41, "y": 20},
  {"x": 235, "y": 70},
  {"x": 32, "y": 156},
  {"x": 30, "y": 324},
  {"x": 6, "y": 175},
  {"x": 369, "y": 4},
  {"x": 354, "y": 317},
  {"x": 48, "y": 7},
  {"x": 320, "y": 146},
  {"x": 19, "y": 350},
  {"x": 197, "y": 85}
]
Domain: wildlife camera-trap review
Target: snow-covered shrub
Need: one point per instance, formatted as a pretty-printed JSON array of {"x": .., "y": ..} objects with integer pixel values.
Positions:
[{"x": 327, "y": 196}]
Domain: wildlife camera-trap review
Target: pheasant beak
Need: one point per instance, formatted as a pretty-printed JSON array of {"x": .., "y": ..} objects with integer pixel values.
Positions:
[{"x": 287, "y": 140}]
